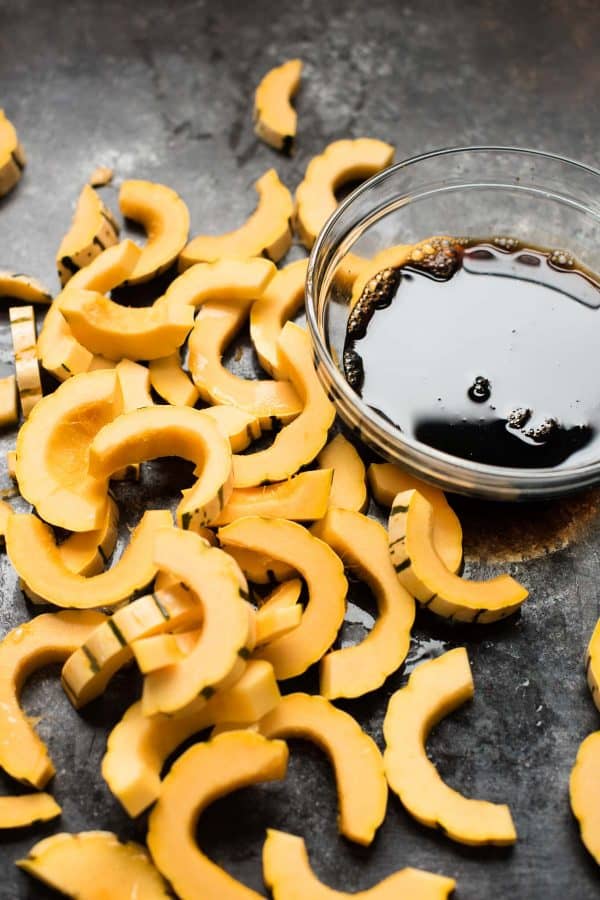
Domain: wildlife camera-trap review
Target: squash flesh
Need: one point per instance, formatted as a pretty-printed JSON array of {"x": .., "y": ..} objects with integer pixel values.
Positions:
[
  {"x": 223, "y": 280},
  {"x": 584, "y": 793},
  {"x": 301, "y": 498},
  {"x": 261, "y": 568},
  {"x": 282, "y": 298},
  {"x": 171, "y": 381},
  {"x": 23, "y": 287},
  {"x": 27, "y": 369},
  {"x": 18, "y": 812},
  {"x": 166, "y": 220},
  {"x": 92, "y": 231},
  {"x": 275, "y": 119},
  {"x": 12, "y": 156},
  {"x": 9, "y": 413},
  {"x": 238, "y": 426},
  {"x": 348, "y": 488},
  {"x": 592, "y": 665}
]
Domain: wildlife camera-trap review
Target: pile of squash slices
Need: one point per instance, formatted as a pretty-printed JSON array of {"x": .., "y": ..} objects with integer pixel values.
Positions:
[{"x": 245, "y": 586}]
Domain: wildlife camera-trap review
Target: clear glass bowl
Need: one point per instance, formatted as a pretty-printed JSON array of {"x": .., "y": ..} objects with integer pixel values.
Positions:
[{"x": 537, "y": 197}]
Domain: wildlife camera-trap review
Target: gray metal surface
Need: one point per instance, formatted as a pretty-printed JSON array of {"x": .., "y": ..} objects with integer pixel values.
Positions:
[{"x": 164, "y": 91}]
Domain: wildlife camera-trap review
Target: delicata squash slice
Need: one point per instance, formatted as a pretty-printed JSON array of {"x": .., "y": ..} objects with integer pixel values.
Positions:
[
  {"x": 434, "y": 690},
  {"x": 592, "y": 665},
  {"x": 204, "y": 773},
  {"x": 267, "y": 232},
  {"x": 288, "y": 876},
  {"x": 238, "y": 426},
  {"x": 166, "y": 219},
  {"x": 138, "y": 746},
  {"x": 9, "y": 411},
  {"x": 94, "y": 865},
  {"x": 261, "y": 568},
  {"x": 161, "y": 650},
  {"x": 348, "y": 488},
  {"x": 323, "y": 573},
  {"x": 363, "y": 547},
  {"x": 340, "y": 162},
  {"x": 282, "y": 298},
  {"x": 12, "y": 155},
  {"x": 26, "y": 809},
  {"x": 225, "y": 280},
  {"x": 27, "y": 369},
  {"x": 412, "y": 550},
  {"x": 298, "y": 442},
  {"x": 584, "y": 792},
  {"x": 171, "y": 382},
  {"x": 46, "y": 639},
  {"x": 92, "y": 230},
  {"x": 301, "y": 498},
  {"x": 33, "y": 552},
  {"x": 275, "y": 119},
  {"x": 23, "y": 287}
]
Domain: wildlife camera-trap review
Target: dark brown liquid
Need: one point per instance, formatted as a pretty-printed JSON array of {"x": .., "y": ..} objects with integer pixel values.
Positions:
[{"x": 497, "y": 362}]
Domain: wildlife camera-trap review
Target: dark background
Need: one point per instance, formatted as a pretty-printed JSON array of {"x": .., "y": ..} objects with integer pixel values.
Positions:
[{"x": 164, "y": 92}]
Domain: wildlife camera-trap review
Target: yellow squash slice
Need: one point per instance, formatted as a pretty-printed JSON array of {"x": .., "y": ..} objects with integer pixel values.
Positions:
[
  {"x": 348, "y": 488},
  {"x": 340, "y": 162},
  {"x": 412, "y": 549},
  {"x": 161, "y": 650},
  {"x": 361, "y": 785},
  {"x": 5, "y": 512},
  {"x": 592, "y": 665},
  {"x": 159, "y": 431},
  {"x": 302, "y": 498},
  {"x": 267, "y": 232},
  {"x": 323, "y": 573},
  {"x": 228, "y": 634},
  {"x": 171, "y": 381},
  {"x": 434, "y": 690},
  {"x": 222, "y": 281},
  {"x": 261, "y": 568},
  {"x": 87, "y": 552},
  {"x": 9, "y": 412},
  {"x": 27, "y": 369},
  {"x": 215, "y": 327},
  {"x": 53, "y": 451},
  {"x": 584, "y": 792},
  {"x": 298, "y": 443},
  {"x": 204, "y": 773},
  {"x": 12, "y": 156},
  {"x": 281, "y": 300},
  {"x": 139, "y": 746},
  {"x": 23, "y": 287},
  {"x": 101, "y": 176},
  {"x": 275, "y": 622},
  {"x": 275, "y": 119},
  {"x": 288, "y": 875},
  {"x": 92, "y": 230},
  {"x": 363, "y": 547},
  {"x": 386, "y": 480},
  {"x": 48, "y": 638},
  {"x": 95, "y": 865},
  {"x": 238, "y": 426},
  {"x": 32, "y": 551},
  {"x": 26, "y": 809},
  {"x": 166, "y": 219}
]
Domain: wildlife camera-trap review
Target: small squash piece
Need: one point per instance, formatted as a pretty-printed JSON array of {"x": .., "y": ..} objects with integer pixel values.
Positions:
[
  {"x": 348, "y": 488},
  {"x": 261, "y": 568},
  {"x": 27, "y": 368},
  {"x": 592, "y": 664},
  {"x": 584, "y": 792},
  {"x": 161, "y": 650},
  {"x": 26, "y": 809},
  {"x": 436, "y": 688},
  {"x": 134, "y": 380},
  {"x": 288, "y": 876},
  {"x": 275, "y": 119},
  {"x": 275, "y": 622},
  {"x": 32, "y": 551},
  {"x": 297, "y": 443},
  {"x": 9, "y": 413},
  {"x": 12, "y": 155},
  {"x": 267, "y": 232},
  {"x": 215, "y": 327},
  {"x": 95, "y": 865},
  {"x": 166, "y": 219},
  {"x": 23, "y": 287},
  {"x": 101, "y": 176},
  {"x": 204, "y": 773},
  {"x": 46, "y": 639},
  {"x": 222, "y": 281},
  {"x": 340, "y": 162},
  {"x": 412, "y": 549},
  {"x": 172, "y": 382},
  {"x": 138, "y": 746},
  {"x": 357, "y": 763},
  {"x": 301, "y": 498},
  {"x": 238, "y": 426},
  {"x": 87, "y": 552},
  {"x": 282, "y": 298},
  {"x": 5, "y": 512},
  {"x": 159, "y": 431},
  {"x": 363, "y": 547},
  {"x": 323, "y": 573},
  {"x": 92, "y": 230}
]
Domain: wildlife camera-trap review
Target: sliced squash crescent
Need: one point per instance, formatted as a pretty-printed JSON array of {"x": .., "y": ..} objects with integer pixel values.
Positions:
[
  {"x": 299, "y": 442},
  {"x": 23, "y": 287},
  {"x": 282, "y": 298},
  {"x": 363, "y": 547},
  {"x": 228, "y": 633},
  {"x": 12, "y": 155},
  {"x": 45, "y": 639},
  {"x": 166, "y": 219},
  {"x": 18, "y": 812},
  {"x": 348, "y": 488},
  {"x": 238, "y": 426},
  {"x": 53, "y": 451},
  {"x": 261, "y": 568},
  {"x": 323, "y": 573},
  {"x": 301, "y": 498},
  {"x": 358, "y": 766},
  {"x": 592, "y": 664},
  {"x": 204, "y": 773},
  {"x": 32, "y": 551},
  {"x": 159, "y": 431},
  {"x": 288, "y": 876},
  {"x": 222, "y": 281},
  {"x": 275, "y": 119},
  {"x": 171, "y": 382},
  {"x": 275, "y": 622},
  {"x": 215, "y": 327},
  {"x": 162, "y": 650},
  {"x": 435, "y": 689},
  {"x": 92, "y": 230},
  {"x": 88, "y": 552},
  {"x": 584, "y": 792},
  {"x": 138, "y": 746},
  {"x": 267, "y": 232},
  {"x": 94, "y": 865},
  {"x": 27, "y": 368},
  {"x": 340, "y": 162},
  {"x": 412, "y": 549},
  {"x": 9, "y": 412}
]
